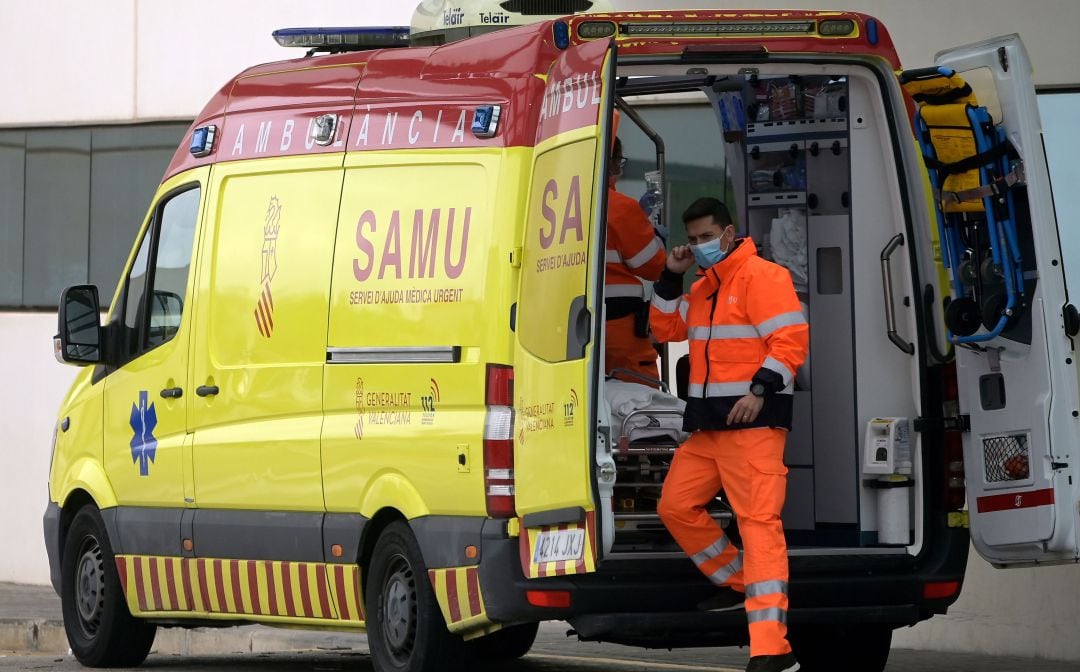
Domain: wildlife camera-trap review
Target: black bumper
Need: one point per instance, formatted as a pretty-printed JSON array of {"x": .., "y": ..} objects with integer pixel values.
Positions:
[
  {"x": 654, "y": 602},
  {"x": 51, "y": 524}
]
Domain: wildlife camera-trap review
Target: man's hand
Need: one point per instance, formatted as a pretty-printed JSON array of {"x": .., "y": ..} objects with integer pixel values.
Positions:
[
  {"x": 680, "y": 259},
  {"x": 745, "y": 410}
]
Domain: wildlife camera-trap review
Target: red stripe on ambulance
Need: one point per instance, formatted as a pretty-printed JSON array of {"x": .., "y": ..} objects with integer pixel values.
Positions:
[{"x": 1016, "y": 500}]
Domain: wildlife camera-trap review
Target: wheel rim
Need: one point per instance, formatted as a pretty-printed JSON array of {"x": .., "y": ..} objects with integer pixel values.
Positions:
[
  {"x": 398, "y": 608},
  {"x": 90, "y": 586}
]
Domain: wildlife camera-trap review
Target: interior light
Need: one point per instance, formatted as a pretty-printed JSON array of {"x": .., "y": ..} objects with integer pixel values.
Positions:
[{"x": 343, "y": 38}]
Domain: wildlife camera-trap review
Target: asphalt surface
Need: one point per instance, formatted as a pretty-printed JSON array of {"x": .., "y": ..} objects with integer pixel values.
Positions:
[
  {"x": 32, "y": 638},
  {"x": 553, "y": 652}
]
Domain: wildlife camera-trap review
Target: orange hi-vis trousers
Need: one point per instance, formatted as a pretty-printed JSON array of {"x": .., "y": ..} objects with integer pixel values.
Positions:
[{"x": 749, "y": 465}]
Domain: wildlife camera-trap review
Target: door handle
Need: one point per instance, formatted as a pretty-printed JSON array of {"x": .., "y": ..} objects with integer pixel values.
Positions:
[
  {"x": 206, "y": 390},
  {"x": 886, "y": 281},
  {"x": 172, "y": 393}
]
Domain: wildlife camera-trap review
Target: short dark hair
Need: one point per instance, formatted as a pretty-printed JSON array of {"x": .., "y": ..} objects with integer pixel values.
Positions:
[
  {"x": 616, "y": 147},
  {"x": 705, "y": 207}
]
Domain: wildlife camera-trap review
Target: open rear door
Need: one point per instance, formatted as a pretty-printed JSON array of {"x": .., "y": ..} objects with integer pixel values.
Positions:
[
  {"x": 1020, "y": 389},
  {"x": 559, "y": 317}
]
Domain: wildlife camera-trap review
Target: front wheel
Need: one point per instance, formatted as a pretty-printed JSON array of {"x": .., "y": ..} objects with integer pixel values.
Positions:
[
  {"x": 843, "y": 647},
  {"x": 100, "y": 629},
  {"x": 406, "y": 629}
]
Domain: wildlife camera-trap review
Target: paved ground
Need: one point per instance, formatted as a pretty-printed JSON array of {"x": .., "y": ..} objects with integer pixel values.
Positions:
[{"x": 276, "y": 650}]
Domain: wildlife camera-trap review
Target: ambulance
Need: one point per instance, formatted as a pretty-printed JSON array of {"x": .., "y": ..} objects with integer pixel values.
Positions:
[{"x": 351, "y": 377}]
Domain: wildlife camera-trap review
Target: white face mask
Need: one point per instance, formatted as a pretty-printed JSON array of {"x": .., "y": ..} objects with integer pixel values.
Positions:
[{"x": 710, "y": 253}]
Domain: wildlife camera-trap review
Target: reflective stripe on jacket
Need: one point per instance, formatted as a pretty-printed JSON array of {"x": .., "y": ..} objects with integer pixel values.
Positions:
[
  {"x": 744, "y": 324},
  {"x": 633, "y": 250}
]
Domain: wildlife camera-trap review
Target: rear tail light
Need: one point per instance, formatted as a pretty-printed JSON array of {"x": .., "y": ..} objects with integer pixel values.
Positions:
[
  {"x": 499, "y": 442},
  {"x": 955, "y": 495},
  {"x": 557, "y": 599},
  {"x": 939, "y": 590}
]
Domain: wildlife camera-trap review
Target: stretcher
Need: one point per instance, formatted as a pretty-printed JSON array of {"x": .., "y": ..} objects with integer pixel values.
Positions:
[{"x": 974, "y": 171}]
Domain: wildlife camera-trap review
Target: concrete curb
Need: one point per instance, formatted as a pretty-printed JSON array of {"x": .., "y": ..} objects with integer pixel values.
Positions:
[
  {"x": 33, "y": 636},
  {"x": 48, "y": 636}
]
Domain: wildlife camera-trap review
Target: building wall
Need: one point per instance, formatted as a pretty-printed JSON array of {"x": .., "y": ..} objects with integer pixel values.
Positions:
[
  {"x": 125, "y": 61},
  {"x": 146, "y": 60}
]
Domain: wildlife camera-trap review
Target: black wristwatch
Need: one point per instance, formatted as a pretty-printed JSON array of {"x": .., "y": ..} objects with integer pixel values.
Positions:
[{"x": 757, "y": 389}]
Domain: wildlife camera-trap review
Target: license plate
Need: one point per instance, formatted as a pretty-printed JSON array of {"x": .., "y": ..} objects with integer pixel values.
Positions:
[{"x": 557, "y": 545}]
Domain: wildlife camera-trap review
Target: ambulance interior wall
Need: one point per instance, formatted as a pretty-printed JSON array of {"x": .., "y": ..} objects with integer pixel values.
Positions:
[
  {"x": 856, "y": 373},
  {"x": 141, "y": 68}
]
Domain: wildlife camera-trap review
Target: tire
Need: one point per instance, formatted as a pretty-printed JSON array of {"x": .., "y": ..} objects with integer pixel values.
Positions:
[
  {"x": 406, "y": 629},
  {"x": 843, "y": 647},
  {"x": 100, "y": 629},
  {"x": 505, "y": 644}
]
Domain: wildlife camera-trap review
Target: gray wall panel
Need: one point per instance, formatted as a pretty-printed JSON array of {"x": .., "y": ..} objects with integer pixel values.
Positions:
[
  {"x": 831, "y": 338},
  {"x": 798, "y": 513},
  {"x": 71, "y": 202},
  {"x": 12, "y": 188},
  {"x": 128, "y": 165},
  {"x": 57, "y": 213}
]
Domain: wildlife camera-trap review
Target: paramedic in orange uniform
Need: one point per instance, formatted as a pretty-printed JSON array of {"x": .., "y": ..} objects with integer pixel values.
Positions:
[
  {"x": 633, "y": 253},
  {"x": 747, "y": 339}
]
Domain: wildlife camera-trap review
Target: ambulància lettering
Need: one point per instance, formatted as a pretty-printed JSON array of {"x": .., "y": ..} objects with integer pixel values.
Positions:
[
  {"x": 383, "y": 129},
  {"x": 376, "y": 129},
  {"x": 283, "y": 137},
  {"x": 575, "y": 92}
]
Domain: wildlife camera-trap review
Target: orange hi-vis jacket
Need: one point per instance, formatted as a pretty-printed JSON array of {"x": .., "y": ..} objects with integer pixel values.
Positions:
[
  {"x": 633, "y": 250},
  {"x": 745, "y": 325}
]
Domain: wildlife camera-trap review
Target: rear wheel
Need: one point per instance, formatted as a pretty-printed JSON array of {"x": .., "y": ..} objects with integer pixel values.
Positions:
[
  {"x": 100, "y": 629},
  {"x": 406, "y": 629},
  {"x": 505, "y": 644},
  {"x": 843, "y": 647}
]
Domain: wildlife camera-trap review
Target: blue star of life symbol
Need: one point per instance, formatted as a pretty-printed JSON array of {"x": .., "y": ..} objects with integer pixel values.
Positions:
[{"x": 143, "y": 443}]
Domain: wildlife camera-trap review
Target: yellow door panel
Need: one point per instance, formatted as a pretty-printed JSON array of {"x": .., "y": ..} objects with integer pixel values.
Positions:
[
  {"x": 552, "y": 446},
  {"x": 145, "y": 412},
  {"x": 420, "y": 304},
  {"x": 78, "y": 447},
  {"x": 560, "y": 315},
  {"x": 259, "y": 351}
]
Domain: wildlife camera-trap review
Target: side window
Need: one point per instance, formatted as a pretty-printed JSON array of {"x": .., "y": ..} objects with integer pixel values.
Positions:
[
  {"x": 133, "y": 303},
  {"x": 176, "y": 238},
  {"x": 155, "y": 287}
]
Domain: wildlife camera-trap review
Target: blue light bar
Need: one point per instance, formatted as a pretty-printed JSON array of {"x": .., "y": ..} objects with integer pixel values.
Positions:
[
  {"x": 343, "y": 39},
  {"x": 562, "y": 34},
  {"x": 202, "y": 141}
]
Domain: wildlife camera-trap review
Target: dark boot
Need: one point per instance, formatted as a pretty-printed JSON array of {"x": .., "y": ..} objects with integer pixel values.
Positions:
[{"x": 782, "y": 663}]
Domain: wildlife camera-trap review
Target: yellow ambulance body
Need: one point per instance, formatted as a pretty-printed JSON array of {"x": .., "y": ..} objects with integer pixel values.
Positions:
[{"x": 351, "y": 377}]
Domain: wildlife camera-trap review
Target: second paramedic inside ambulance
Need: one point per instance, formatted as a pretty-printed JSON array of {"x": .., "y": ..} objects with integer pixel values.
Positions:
[
  {"x": 747, "y": 337},
  {"x": 634, "y": 254}
]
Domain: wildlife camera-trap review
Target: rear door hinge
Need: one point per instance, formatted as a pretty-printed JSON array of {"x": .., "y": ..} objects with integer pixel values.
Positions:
[{"x": 956, "y": 423}]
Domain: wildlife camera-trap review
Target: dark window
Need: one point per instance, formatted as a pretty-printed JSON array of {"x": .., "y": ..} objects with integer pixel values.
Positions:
[
  {"x": 57, "y": 214},
  {"x": 134, "y": 303},
  {"x": 12, "y": 187},
  {"x": 71, "y": 202},
  {"x": 173, "y": 262},
  {"x": 153, "y": 302}
]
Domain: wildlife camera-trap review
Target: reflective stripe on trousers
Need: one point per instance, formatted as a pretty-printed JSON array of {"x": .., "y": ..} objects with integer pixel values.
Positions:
[{"x": 747, "y": 464}]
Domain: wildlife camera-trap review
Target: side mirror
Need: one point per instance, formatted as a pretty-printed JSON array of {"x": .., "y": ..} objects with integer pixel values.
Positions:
[{"x": 79, "y": 338}]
